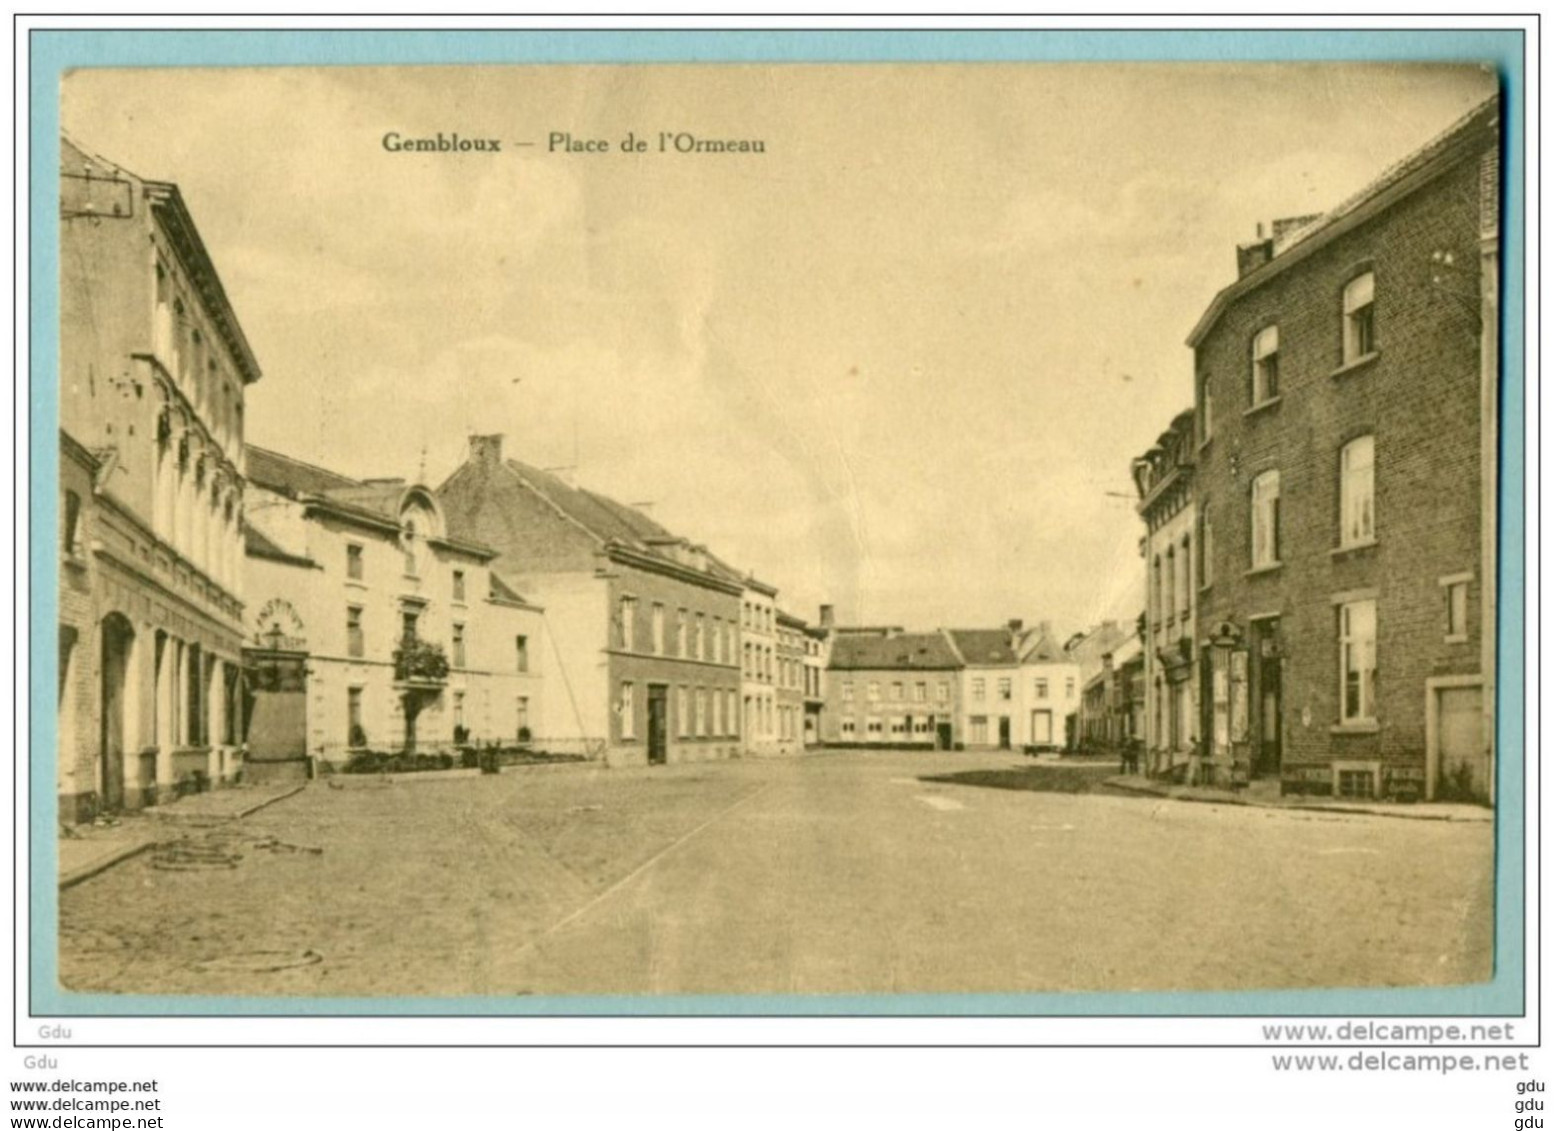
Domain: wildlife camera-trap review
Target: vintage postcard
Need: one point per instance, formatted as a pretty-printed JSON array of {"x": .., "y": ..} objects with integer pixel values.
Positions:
[{"x": 778, "y": 530}]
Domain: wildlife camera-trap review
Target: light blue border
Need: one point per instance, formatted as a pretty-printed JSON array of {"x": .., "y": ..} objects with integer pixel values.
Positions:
[{"x": 52, "y": 52}]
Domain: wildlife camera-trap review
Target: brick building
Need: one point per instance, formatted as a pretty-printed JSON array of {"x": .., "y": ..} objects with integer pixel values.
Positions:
[
  {"x": 792, "y": 636},
  {"x": 373, "y": 624},
  {"x": 888, "y": 687},
  {"x": 1163, "y": 477},
  {"x": 642, "y": 641},
  {"x": 153, "y": 371},
  {"x": 1346, "y": 392}
]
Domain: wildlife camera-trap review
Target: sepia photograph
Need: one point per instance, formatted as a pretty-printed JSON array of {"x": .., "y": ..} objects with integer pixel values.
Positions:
[{"x": 756, "y": 530}]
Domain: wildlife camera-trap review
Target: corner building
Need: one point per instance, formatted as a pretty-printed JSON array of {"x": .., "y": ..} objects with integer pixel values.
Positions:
[{"x": 1347, "y": 385}]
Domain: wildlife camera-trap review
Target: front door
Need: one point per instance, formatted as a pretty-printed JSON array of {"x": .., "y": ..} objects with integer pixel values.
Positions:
[
  {"x": 117, "y": 636},
  {"x": 946, "y": 736},
  {"x": 1041, "y": 728},
  {"x": 1462, "y": 755},
  {"x": 276, "y": 707},
  {"x": 1003, "y": 732},
  {"x": 1270, "y": 701},
  {"x": 658, "y": 724}
]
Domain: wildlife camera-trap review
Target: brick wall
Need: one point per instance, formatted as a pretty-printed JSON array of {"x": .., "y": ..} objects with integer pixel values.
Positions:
[{"x": 1419, "y": 397}]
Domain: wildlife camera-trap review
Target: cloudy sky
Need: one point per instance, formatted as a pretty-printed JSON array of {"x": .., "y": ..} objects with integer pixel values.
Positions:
[{"x": 899, "y": 362}]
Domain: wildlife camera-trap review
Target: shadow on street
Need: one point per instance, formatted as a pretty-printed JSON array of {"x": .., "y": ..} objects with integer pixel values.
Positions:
[{"x": 1075, "y": 778}]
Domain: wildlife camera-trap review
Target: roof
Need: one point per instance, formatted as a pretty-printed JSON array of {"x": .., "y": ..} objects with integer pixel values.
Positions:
[
  {"x": 291, "y": 477},
  {"x": 604, "y": 518},
  {"x": 501, "y": 591},
  {"x": 1403, "y": 177},
  {"x": 257, "y": 545},
  {"x": 906, "y": 651},
  {"x": 1040, "y": 647},
  {"x": 984, "y": 647}
]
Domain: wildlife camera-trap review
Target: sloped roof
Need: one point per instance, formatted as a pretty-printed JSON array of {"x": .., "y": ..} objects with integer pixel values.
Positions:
[
  {"x": 256, "y": 544},
  {"x": 292, "y": 477},
  {"x": 1039, "y": 647},
  {"x": 906, "y": 651},
  {"x": 604, "y": 518},
  {"x": 501, "y": 591},
  {"x": 984, "y": 647},
  {"x": 1392, "y": 183}
]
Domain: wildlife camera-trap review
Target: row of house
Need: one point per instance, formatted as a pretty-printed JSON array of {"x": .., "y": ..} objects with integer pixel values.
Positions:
[
  {"x": 1321, "y": 523},
  {"x": 226, "y": 608},
  {"x": 1004, "y": 688}
]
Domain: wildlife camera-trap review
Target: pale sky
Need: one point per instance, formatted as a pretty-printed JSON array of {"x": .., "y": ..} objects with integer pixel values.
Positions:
[{"x": 894, "y": 364}]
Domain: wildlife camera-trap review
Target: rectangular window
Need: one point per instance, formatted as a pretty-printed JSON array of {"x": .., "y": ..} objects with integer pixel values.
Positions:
[
  {"x": 979, "y": 690},
  {"x": 1265, "y": 365},
  {"x": 847, "y": 691},
  {"x": 523, "y": 653},
  {"x": 658, "y": 629},
  {"x": 898, "y": 726},
  {"x": 874, "y": 691},
  {"x": 1359, "y": 318},
  {"x": 1068, "y": 687},
  {"x": 701, "y": 712},
  {"x": 849, "y": 728},
  {"x": 897, "y": 692},
  {"x": 354, "y": 734},
  {"x": 680, "y": 630},
  {"x": 1357, "y": 661},
  {"x": 458, "y": 709},
  {"x": 70, "y": 536},
  {"x": 628, "y": 710},
  {"x": 1006, "y": 689},
  {"x": 353, "y": 561},
  {"x": 944, "y": 691},
  {"x": 1265, "y": 520},
  {"x": 522, "y": 714},
  {"x": 628, "y": 625},
  {"x": 717, "y": 713},
  {"x": 876, "y": 728},
  {"x": 355, "y": 646},
  {"x": 458, "y": 646},
  {"x": 1456, "y": 610},
  {"x": 458, "y": 585},
  {"x": 682, "y": 712},
  {"x": 1205, "y": 409},
  {"x": 409, "y": 620},
  {"x": 1357, "y": 492},
  {"x": 701, "y": 636},
  {"x": 733, "y": 714},
  {"x": 1041, "y": 689},
  {"x": 1205, "y": 549},
  {"x": 920, "y": 692}
]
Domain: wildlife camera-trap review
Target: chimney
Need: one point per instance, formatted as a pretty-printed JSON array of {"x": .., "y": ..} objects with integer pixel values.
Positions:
[
  {"x": 486, "y": 450},
  {"x": 1251, "y": 256},
  {"x": 1016, "y": 624},
  {"x": 827, "y": 616}
]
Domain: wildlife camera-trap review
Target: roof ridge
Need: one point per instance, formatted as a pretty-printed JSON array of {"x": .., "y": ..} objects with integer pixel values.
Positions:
[{"x": 250, "y": 448}]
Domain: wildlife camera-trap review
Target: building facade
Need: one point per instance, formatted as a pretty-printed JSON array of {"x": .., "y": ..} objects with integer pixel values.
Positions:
[
  {"x": 154, "y": 368},
  {"x": 1346, "y": 385},
  {"x": 1089, "y": 651},
  {"x": 642, "y": 629},
  {"x": 1163, "y": 477},
  {"x": 372, "y": 625},
  {"x": 758, "y": 655},
  {"x": 792, "y": 636},
  {"x": 990, "y": 669},
  {"x": 817, "y": 655},
  {"x": 1047, "y": 692},
  {"x": 887, "y": 687}
]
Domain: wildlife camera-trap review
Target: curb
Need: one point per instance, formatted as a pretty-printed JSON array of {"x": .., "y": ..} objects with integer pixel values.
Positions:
[
  {"x": 101, "y": 865},
  {"x": 1414, "y": 813}
]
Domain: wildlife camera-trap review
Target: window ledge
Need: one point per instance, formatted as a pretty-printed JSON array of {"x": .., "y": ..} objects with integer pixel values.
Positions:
[
  {"x": 1360, "y": 362},
  {"x": 1263, "y": 406},
  {"x": 1370, "y": 727},
  {"x": 1258, "y": 571},
  {"x": 1461, "y": 638},
  {"x": 1353, "y": 547}
]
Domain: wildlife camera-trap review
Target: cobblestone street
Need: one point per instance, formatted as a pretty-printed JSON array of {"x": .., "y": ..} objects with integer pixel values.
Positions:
[{"x": 842, "y": 873}]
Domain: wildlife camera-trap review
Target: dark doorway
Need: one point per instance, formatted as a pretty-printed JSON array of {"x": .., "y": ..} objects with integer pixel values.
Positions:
[
  {"x": 117, "y": 639},
  {"x": 658, "y": 724},
  {"x": 274, "y": 712},
  {"x": 1003, "y": 732},
  {"x": 946, "y": 736},
  {"x": 1270, "y": 700}
]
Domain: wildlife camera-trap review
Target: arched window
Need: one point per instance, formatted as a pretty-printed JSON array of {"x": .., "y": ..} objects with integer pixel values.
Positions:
[{"x": 1265, "y": 365}]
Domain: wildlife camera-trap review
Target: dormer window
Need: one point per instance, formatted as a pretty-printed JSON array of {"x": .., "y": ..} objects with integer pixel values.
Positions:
[{"x": 408, "y": 540}]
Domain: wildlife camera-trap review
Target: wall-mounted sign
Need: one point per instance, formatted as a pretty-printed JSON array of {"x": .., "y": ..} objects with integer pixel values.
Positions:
[{"x": 278, "y": 627}]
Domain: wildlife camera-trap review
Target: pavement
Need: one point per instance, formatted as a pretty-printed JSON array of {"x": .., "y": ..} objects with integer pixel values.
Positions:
[
  {"x": 853, "y": 873},
  {"x": 1417, "y": 811},
  {"x": 86, "y": 850}
]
